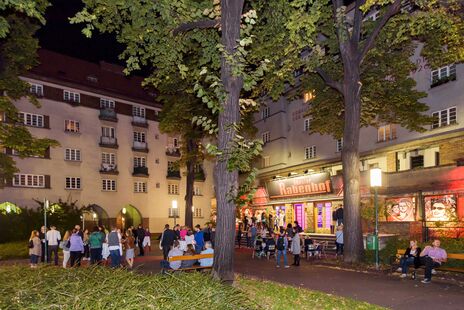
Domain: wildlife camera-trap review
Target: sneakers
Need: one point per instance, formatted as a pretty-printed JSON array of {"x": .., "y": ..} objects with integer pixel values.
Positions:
[
  {"x": 403, "y": 275},
  {"x": 434, "y": 271},
  {"x": 286, "y": 266},
  {"x": 399, "y": 269},
  {"x": 426, "y": 281}
]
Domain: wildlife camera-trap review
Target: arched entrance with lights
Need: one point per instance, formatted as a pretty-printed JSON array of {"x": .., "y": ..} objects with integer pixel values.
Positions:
[
  {"x": 94, "y": 215},
  {"x": 128, "y": 216}
]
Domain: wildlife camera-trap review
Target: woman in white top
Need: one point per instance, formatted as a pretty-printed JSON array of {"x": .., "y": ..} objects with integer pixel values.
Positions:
[{"x": 190, "y": 238}]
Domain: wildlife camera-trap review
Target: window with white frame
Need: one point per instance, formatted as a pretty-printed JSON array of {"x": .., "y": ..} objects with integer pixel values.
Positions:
[
  {"x": 306, "y": 124},
  {"x": 140, "y": 161},
  {"x": 265, "y": 112},
  {"x": 106, "y": 103},
  {"x": 108, "y": 185},
  {"x": 339, "y": 144},
  {"x": 444, "y": 117},
  {"x": 29, "y": 119},
  {"x": 138, "y": 111},
  {"x": 196, "y": 190},
  {"x": 71, "y": 126},
  {"x": 197, "y": 212},
  {"x": 28, "y": 180},
  {"x": 266, "y": 137},
  {"x": 386, "y": 133},
  {"x": 442, "y": 73},
  {"x": 72, "y": 154},
  {"x": 266, "y": 161},
  {"x": 173, "y": 189},
  {"x": 36, "y": 89},
  {"x": 139, "y": 136},
  {"x": 73, "y": 183},
  {"x": 310, "y": 152},
  {"x": 173, "y": 212},
  {"x": 71, "y": 96},
  {"x": 108, "y": 132},
  {"x": 140, "y": 187},
  {"x": 108, "y": 159}
]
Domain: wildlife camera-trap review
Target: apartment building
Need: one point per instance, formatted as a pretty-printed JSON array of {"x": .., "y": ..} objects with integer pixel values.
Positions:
[
  {"x": 112, "y": 159},
  {"x": 300, "y": 174}
]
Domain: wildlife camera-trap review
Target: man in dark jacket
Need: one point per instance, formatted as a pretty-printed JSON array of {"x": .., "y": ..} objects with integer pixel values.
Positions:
[
  {"x": 167, "y": 240},
  {"x": 140, "y": 236},
  {"x": 339, "y": 215}
]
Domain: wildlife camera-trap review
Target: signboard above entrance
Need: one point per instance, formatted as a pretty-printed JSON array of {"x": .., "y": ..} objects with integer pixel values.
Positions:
[{"x": 312, "y": 184}]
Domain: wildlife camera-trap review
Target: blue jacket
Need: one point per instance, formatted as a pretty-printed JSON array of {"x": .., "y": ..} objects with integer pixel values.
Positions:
[{"x": 199, "y": 239}]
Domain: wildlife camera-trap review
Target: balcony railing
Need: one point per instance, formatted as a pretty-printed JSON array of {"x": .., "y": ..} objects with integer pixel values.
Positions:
[
  {"x": 139, "y": 121},
  {"x": 173, "y": 174},
  {"x": 173, "y": 151},
  {"x": 110, "y": 142},
  {"x": 108, "y": 114},
  {"x": 140, "y": 172},
  {"x": 200, "y": 175},
  {"x": 140, "y": 147},
  {"x": 109, "y": 169}
]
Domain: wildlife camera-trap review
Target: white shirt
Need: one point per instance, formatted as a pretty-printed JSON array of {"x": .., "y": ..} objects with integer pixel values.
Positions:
[
  {"x": 53, "y": 236},
  {"x": 190, "y": 239}
]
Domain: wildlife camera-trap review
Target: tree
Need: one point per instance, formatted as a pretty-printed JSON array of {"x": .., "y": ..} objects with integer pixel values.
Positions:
[
  {"x": 19, "y": 20},
  {"x": 358, "y": 70}
]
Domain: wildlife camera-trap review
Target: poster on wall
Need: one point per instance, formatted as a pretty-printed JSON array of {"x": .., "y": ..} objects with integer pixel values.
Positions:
[
  {"x": 440, "y": 208},
  {"x": 401, "y": 209}
]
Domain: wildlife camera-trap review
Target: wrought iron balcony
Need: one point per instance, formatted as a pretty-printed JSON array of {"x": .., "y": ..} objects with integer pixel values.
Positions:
[
  {"x": 140, "y": 172},
  {"x": 110, "y": 142},
  {"x": 173, "y": 151},
  {"x": 109, "y": 169},
  {"x": 140, "y": 147},
  {"x": 139, "y": 121},
  {"x": 173, "y": 174},
  {"x": 108, "y": 114}
]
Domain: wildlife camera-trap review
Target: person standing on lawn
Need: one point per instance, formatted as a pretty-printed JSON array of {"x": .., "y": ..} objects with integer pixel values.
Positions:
[
  {"x": 65, "y": 246},
  {"x": 76, "y": 248},
  {"x": 199, "y": 239},
  {"x": 282, "y": 245},
  {"x": 35, "y": 248},
  {"x": 53, "y": 239},
  {"x": 167, "y": 240},
  {"x": 432, "y": 256},
  {"x": 44, "y": 242},
  {"x": 114, "y": 240},
  {"x": 140, "y": 237},
  {"x": 96, "y": 239}
]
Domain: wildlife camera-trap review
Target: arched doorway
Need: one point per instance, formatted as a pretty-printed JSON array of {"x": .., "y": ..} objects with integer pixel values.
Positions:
[
  {"x": 128, "y": 216},
  {"x": 93, "y": 215}
]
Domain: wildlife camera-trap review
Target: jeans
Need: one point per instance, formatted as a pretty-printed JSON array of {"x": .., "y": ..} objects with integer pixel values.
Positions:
[
  {"x": 115, "y": 258},
  {"x": 166, "y": 249},
  {"x": 280, "y": 253},
  {"x": 34, "y": 259},
  {"x": 95, "y": 255},
  {"x": 198, "y": 249},
  {"x": 53, "y": 249},
  {"x": 164, "y": 264},
  {"x": 76, "y": 258},
  {"x": 405, "y": 262},
  {"x": 339, "y": 248},
  {"x": 429, "y": 265},
  {"x": 140, "y": 243}
]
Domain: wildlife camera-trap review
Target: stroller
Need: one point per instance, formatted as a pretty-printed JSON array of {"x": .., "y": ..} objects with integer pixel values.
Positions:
[
  {"x": 258, "y": 249},
  {"x": 270, "y": 248}
]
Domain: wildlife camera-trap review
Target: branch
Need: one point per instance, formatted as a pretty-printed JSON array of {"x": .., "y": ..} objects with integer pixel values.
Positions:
[
  {"x": 357, "y": 24},
  {"x": 329, "y": 81},
  {"x": 392, "y": 10},
  {"x": 201, "y": 24}
]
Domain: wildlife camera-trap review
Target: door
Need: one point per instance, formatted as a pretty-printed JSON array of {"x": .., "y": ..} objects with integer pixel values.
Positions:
[{"x": 323, "y": 217}]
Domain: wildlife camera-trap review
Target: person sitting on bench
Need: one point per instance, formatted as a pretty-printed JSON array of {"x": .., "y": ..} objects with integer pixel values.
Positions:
[
  {"x": 432, "y": 256},
  {"x": 411, "y": 256},
  {"x": 175, "y": 251},
  {"x": 188, "y": 263},
  {"x": 207, "y": 262}
]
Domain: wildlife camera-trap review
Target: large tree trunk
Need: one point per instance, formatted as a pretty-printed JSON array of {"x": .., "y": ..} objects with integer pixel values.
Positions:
[
  {"x": 190, "y": 181},
  {"x": 227, "y": 181},
  {"x": 354, "y": 248}
]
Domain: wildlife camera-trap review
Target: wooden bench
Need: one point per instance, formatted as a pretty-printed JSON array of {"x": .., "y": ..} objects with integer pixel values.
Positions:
[
  {"x": 456, "y": 256},
  {"x": 191, "y": 257}
]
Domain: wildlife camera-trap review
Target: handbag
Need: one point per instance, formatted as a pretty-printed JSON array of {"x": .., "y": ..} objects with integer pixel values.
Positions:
[{"x": 31, "y": 244}]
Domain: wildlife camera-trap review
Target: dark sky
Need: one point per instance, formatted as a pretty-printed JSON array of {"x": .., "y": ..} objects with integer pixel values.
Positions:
[{"x": 60, "y": 36}]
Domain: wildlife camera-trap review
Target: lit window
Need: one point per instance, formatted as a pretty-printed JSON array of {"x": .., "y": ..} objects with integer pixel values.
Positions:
[
  {"x": 308, "y": 96},
  {"x": 71, "y": 126},
  {"x": 386, "y": 133},
  {"x": 173, "y": 212}
]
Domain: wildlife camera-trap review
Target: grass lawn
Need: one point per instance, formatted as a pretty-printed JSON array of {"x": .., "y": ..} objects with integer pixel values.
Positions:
[
  {"x": 103, "y": 288},
  {"x": 16, "y": 249}
]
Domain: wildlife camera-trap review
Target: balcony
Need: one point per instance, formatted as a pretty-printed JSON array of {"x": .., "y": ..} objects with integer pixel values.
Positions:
[
  {"x": 109, "y": 142},
  {"x": 173, "y": 174},
  {"x": 140, "y": 147},
  {"x": 200, "y": 175},
  {"x": 140, "y": 172},
  {"x": 139, "y": 121},
  {"x": 109, "y": 169},
  {"x": 173, "y": 151},
  {"x": 108, "y": 114}
]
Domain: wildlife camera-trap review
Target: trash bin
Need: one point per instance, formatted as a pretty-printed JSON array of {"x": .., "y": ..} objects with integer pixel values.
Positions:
[{"x": 372, "y": 242}]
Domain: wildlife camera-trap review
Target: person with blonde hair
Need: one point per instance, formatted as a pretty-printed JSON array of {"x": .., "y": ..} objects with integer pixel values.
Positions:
[
  {"x": 65, "y": 246},
  {"x": 410, "y": 257},
  {"x": 35, "y": 248},
  {"x": 129, "y": 243}
]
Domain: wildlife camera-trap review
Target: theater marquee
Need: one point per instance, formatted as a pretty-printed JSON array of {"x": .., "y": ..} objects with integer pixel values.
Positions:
[{"x": 312, "y": 184}]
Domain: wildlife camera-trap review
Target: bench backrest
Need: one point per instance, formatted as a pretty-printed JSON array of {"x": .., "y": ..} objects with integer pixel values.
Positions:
[
  {"x": 190, "y": 257},
  {"x": 450, "y": 255}
]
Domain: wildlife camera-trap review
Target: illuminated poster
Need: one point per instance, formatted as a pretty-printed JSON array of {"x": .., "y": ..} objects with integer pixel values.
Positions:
[
  {"x": 401, "y": 209},
  {"x": 319, "y": 207},
  {"x": 440, "y": 208}
]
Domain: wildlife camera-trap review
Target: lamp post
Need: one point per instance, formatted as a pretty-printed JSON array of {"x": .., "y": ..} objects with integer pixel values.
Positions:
[
  {"x": 174, "y": 210},
  {"x": 376, "y": 182},
  {"x": 46, "y": 205}
]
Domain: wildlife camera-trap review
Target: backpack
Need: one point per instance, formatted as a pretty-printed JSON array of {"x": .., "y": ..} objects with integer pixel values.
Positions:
[
  {"x": 280, "y": 244},
  {"x": 31, "y": 244}
]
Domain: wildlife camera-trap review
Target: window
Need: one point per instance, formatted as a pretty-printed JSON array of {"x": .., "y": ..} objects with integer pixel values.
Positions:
[
  {"x": 172, "y": 166},
  {"x": 140, "y": 187},
  {"x": 72, "y": 154},
  {"x": 444, "y": 117},
  {"x": 71, "y": 126},
  {"x": 108, "y": 132},
  {"x": 28, "y": 180},
  {"x": 175, "y": 142},
  {"x": 306, "y": 124},
  {"x": 139, "y": 137},
  {"x": 140, "y": 162},
  {"x": 265, "y": 112},
  {"x": 173, "y": 212},
  {"x": 266, "y": 161},
  {"x": 173, "y": 189},
  {"x": 310, "y": 152},
  {"x": 109, "y": 185},
  {"x": 196, "y": 190},
  {"x": 29, "y": 119},
  {"x": 36, "y": 89},
  {"x": 339, "y": 144},
  {"x": 266, "y": 137},
  {"x": 197, "y": 212},
  {"x": 71, "y": 96},
  {"x": 106, "y": 103},
  {"x": 138, "y": 111},
  {"x": 73, "y": 183},
  {"x": 443, "y": 74},
  {"x": 108, "y": 159},
  {"x": 386, "y": 133},
  {"x": 417, "y": 161}
]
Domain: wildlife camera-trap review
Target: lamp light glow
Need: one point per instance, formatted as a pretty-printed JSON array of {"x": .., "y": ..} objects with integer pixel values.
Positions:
[
  {"x": 174, "y": 204},
  {"x": 376, "y": 177}
]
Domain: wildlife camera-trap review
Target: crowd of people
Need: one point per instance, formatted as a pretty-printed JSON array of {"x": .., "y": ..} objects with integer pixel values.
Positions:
[{"x": 97, "y": 246}]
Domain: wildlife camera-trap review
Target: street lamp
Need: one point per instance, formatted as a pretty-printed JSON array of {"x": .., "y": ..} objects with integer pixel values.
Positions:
[
  {"x": 46, "y": 206},
  {"x": 174, "y": 210},
  {"x": 376, "y": 182}
]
